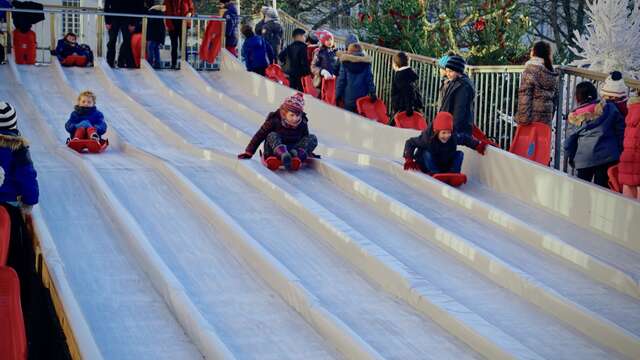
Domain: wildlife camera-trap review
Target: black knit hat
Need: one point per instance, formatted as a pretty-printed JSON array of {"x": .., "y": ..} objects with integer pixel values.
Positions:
[
  {"x": 456, "y": 63},
  {"x": 8, "y": 117}
]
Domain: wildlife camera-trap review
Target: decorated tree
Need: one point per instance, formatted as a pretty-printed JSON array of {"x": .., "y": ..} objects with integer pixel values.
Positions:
[
  {"x": 610, "y": 39},
  {"x": 486, "y": 32}
]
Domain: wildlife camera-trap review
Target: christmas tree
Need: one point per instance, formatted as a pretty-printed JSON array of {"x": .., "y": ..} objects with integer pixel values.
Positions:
[{"x": 610, "y": 40}]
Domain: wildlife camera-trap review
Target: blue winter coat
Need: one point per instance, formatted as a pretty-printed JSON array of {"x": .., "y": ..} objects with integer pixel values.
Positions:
[
  {"x": 92, "y": 115},
  {"x": 232, "y": 21},
  {"x": 355, "y": 79},
  {"x": 257, "y": 53},
  {"x": 65, "y": 48},
  {"x": 595, "y": 134},
  {"x": 20, "y": 177}
]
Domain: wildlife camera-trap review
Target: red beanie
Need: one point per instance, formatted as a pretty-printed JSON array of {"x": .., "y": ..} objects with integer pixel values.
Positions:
[
  {"x": 443, "y": 121},
  {"x": 294, "y": 103}
]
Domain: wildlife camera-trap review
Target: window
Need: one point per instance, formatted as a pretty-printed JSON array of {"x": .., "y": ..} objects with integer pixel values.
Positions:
[{"x": 71, "y": 21}]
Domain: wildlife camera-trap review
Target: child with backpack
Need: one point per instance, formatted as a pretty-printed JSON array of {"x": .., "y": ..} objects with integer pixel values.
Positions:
[
  {"x": 294, "y": 60},
  {"x": 286, "y": 135},
  {"x": 435, "y": 150},
  {"x": 86, "y": 121},
  {"x": 256, "y": 53},
  {"x": 404, "y": 92}
]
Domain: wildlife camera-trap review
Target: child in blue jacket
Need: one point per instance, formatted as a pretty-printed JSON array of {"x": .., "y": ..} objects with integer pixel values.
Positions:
[
  {"x": 256, "y": 52},
  {"x": 86, "y": 122}
]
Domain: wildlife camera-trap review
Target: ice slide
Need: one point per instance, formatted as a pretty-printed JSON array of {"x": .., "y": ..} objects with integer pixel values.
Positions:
[{"x": 166, "y": 246}]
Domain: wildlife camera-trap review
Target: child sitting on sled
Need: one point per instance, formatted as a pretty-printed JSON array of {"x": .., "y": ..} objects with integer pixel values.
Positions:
[
  {"x": 86, "y": 121},
  {"x": 286, "y": 136},
  {"x": 435, "y": 151}
]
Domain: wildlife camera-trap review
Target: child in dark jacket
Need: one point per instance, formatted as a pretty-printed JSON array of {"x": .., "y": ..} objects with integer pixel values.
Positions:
[
  {"x": 20, "y": 185},
  {"x": 286, "y": 135},
  {"x": 325, "y": 59},
  {"x": 156, "y": 34},
  {"x": 70, "y": 53},
  {"x": 404, "y": 93},
  {"x": 256, "y": 53},
  {"x": 294, "y": 60},
  {"x": 86, "y": 122},
  {"x": 355, "y": 79},
  {"x": 435, "y": 150}
]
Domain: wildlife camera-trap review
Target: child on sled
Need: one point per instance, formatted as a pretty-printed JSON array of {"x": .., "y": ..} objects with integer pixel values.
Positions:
[
  {"x": 86, "y": 121},
  {"x": 285, "y": 133}
]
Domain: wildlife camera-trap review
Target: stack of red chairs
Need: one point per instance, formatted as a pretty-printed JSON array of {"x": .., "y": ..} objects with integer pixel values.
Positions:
[
  {"x": 24, "y": 47},
  {"x": 329, "y": 91}
]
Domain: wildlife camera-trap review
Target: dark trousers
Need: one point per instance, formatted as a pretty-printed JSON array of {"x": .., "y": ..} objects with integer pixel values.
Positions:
[
  {"x": 21, "y": 253},
  {"x": 153, "y": 53},
  {"x": 295, "y": 82},
  {"x": 125, "y": 56},
  {"x": 175, "y": 36},
  {"x": 596, "y": 174},
  {"x": 307, "y": 143},
  {"x": 260, "y": 71},
  {"x": 1, "y": 53},
  {"x": 429, "y": 164}
]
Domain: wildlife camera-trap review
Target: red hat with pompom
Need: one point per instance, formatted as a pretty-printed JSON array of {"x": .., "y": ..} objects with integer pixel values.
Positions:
[{"x": 443, "y": 121}]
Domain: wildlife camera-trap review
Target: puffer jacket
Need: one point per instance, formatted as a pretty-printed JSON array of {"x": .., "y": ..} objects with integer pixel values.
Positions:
[
  {"x": 457, "y": 98},
  {"x": 355, "y": 79},
  {"x": 20, "y": 177},
  {"x": 257, "y": 54},
  {"x": 537, "y": 94},
  {"x": 274, "y": 123},
  {"x": 629, "y": 169},
  {"x": 594, "y": 135},
  {"x": 92, "y": 115},
  {"x": 404, "y": 93}
]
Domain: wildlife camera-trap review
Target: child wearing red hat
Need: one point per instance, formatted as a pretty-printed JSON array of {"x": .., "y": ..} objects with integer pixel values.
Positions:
[
  {"x": 286, "y": 136},
  {"x": 435, "y": 150}
]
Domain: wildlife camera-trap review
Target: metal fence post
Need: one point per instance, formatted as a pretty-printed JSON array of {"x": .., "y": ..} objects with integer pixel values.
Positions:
[
  {"x": 52, "y": 30},
  {"x": 558, "y": 125},
  {"x": 7, "y": 50},
  {"x": 99, "y": 34},
  {"x": 143, "y": 40},
  {"x": 183, "y": 40}
]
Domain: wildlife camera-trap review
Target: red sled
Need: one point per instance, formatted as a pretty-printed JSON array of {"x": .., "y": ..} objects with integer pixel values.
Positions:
[
  {"x": 211, "y": 41},
  {"x": 274, "y": 72},
  {"x": 273, "y": 163},
  {"x": 74, "y": 60},
  {"x": 453, "y": 179},
  {"x": 13, "y": 338},
  {"x": 88, "y": 145},
  {"x": 614, "y": 184},
  {"x": 307, "y": 86},
  {"x": 533, "y": 141},
  {"x": 479, "y": 135},
  {"x": 24, "y": 47},
  {"x": 136, "y": 48},
  {"x": 329, "y": 91},
  {"x": 373, "y": 110},
  {"x": 415, "y": 121}
]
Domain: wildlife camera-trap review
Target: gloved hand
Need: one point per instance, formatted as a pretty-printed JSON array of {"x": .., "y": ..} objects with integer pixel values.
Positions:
[
  {"x": 245, "y": 155},
  {"x": 482, "y": 147},
  {"x": 373, "y": 98},
  {"x": 410, "y": 164},
  {"x": 84, "y": 124},
  {"x": 410, "y": 112},
  {"x": 325, "y": 74}
]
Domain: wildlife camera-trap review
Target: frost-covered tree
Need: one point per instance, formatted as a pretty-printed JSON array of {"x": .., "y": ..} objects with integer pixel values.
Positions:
[{"x": 611, "y": 37}]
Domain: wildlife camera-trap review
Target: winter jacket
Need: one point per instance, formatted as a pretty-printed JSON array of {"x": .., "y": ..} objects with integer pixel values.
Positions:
[
  {"x": 273, "y": 33},
  {"x": 443, "y": 154},
  {"x": 294, "y": 59},
  {"x": 3, "y": 14},
  {"x": 594, "y": 135},
  {"x": 20, "y": 177},
  {"x": 537, "y": 94},
  {"x": 177, "y": 8},
  {"x": 274, "y": 123},
  {"x": 629, "y": 169},
  {"x": 124, "y": 7},
  {"x": 355, "y": 79},
  {"x": 65, "y": 48},
  {"x": 156, "y": 30},
  {"x": 24, "y": 21},
  {"x": 232, "y": 21},
  {"x": 325, "y": 59},
  {"x": 458, "y": 96},
  {"x": 404, "y": 93},
  {"x": 256, "y": 53},
  {"x": 92, "y": 115}
]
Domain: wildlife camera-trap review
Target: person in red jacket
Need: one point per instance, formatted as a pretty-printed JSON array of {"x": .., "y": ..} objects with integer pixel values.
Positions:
[
  {"x": 629, "y": 168},
  {"x": 174, "y": 26}
]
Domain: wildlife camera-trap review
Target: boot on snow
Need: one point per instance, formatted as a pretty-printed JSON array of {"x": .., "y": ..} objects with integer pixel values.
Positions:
[{"x": 284, "y": 155}]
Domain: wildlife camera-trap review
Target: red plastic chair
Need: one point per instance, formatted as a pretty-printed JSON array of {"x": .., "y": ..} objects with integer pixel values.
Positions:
[
  {"x": 307, "y": 86},
  {"x": 416, "y": 121},
  {"x": 5, "y": 235},
  {"x": 13, "y": 339},
  {"x": 374, "y": 111},
  {"x": 24, "y": 47},
  {"x": 329, "y": 91},
  {"x": 274, "y": 72},
  {"x": 614, "y": 184},
  {"x": 533, "y": 141}
]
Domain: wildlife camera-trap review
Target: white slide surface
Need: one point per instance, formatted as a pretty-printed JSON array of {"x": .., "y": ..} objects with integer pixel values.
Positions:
[{"x": 170, "y": 247}]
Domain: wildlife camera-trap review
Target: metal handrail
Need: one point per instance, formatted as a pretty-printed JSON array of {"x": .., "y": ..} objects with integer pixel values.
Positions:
[{"x": 86, "y": 11}]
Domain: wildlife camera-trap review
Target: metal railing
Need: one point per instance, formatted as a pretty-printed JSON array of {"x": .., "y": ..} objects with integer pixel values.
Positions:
[
  {"x": 496, "y": 90},
  {"x": 92, "y": 32}
]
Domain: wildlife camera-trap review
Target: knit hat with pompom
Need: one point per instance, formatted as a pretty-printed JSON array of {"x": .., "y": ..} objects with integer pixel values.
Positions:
[{"x": 614, "y": 86}]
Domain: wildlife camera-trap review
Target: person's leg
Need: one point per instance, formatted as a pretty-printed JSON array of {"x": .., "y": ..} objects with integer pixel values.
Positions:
[
  {"x": 261, "y": 71},
  {"x": 278, "y": 149},
  {"x": 156, "y": 54},
  {"x": 456, "y": 167},
  {"x": 630, "y": 191},
  {"x": 126, "y": 55},
  {"x": 585, "y": 174},
  {"x": 173, "y": 36},
  {"x": 295, "y": 82},
  {"x": 427, "y": 164},
  {"x": 111, "y": 44},
  {"x": 601, "y": 175},
  {"x": 305, "y": 146}
]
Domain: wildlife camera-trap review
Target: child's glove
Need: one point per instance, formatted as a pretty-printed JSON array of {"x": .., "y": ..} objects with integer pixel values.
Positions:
[
  {"x": 245, "y": 155},
  {"x": 482, "y": 147},
  {"x": 410, "y": 164},
  {"x": 373, "y": 98},
  {"x": 325, "y": 74}
]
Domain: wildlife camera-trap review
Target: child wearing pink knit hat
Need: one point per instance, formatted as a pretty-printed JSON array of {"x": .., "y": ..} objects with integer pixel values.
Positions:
[{"x": 286, "y": 136}]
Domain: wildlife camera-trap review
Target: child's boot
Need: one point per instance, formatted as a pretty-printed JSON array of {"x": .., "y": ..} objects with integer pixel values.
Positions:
[
  {"x": 284, "y": 155},
  {"x": 80, "y": 133},
  {"x": 296, "y": 162},
  {"x": 92, "y": 134}
]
